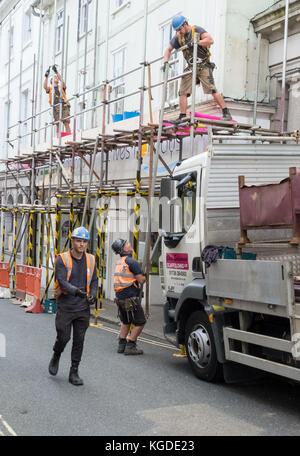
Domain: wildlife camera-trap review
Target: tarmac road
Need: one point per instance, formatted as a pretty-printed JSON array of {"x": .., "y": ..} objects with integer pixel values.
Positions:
[{"x": 151, "y": 395}]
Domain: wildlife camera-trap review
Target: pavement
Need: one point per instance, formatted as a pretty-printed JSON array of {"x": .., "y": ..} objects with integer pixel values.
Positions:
[{"x": 153, "y": 327}]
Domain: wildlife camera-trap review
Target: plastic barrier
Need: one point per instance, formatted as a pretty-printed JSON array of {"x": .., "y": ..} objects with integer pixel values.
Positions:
[
  {"x": 20, "y": 283},
  {"x": 33, "y": 290},
  {"x": 4, "y": 280}
]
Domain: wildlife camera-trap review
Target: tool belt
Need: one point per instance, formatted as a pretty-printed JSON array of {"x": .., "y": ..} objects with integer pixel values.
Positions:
[
  {"x": 128, "y": 304},
  {"x": 201, "y": 63}
]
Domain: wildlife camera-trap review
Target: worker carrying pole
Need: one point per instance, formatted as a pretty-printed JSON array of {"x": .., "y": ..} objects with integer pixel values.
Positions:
[
  {"x": 185, "y": 37},
  {"x": 75, "y": 290},
  {"x": 128, "y": 276},
  {"x": 59, "y": 96}
]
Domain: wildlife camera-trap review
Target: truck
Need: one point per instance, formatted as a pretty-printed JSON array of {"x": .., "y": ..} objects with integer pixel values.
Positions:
[{"x": 238, "y": 315}]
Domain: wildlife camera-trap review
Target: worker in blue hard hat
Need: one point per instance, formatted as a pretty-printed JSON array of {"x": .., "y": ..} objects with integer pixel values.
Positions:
[
  {"x": 185, "y": 37},
  {"x": 75, "y": 290}
]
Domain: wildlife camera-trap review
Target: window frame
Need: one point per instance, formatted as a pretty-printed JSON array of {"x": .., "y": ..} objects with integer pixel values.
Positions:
[
  {"x": 59, "y": 30},
  {"x": 118, "y": 85}
]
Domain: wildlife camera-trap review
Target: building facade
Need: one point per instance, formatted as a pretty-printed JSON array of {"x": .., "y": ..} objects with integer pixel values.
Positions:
[{"x": 93, "y": 41}]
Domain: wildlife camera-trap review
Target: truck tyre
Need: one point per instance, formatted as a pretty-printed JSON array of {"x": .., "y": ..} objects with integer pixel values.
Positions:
[{"x": 200, "y": 348}]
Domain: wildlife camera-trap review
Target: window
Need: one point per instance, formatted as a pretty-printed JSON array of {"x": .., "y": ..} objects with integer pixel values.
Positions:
[
  {"x": 59, "y": 31},
  {"x": 83, "y": 23},
  {"x": 173, "y": 87},
  {"x": 27, "y": 27},
  {"x": 119, "y": 63}
]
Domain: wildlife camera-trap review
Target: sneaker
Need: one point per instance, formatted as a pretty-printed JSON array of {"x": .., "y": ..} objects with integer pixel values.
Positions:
[
  {"x": 74, "y": 377},
  {"x": 54, "y": 363},
  {"x": 131, "y": 349},
  {"x": 122, "y": 345}
]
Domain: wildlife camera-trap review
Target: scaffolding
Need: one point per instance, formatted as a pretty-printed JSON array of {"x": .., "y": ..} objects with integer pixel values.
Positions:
[{"x": 53, "y": 190}]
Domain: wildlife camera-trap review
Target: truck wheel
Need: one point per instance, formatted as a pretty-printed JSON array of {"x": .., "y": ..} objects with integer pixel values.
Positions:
[{"x": 200, "y": 348}]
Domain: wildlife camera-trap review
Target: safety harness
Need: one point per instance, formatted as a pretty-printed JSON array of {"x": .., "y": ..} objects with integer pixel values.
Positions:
[
  {"x": 202, "y": 53},
  {"x": 57, "y": 99},
  {"x": 67, "y": 260}
]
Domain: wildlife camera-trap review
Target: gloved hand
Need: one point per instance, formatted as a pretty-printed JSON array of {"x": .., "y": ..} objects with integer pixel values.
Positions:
[
  {"x": 190, "y": 45},
  {"x": 165, "y": 66},
  {"x": 80, "y": 293},
  {"x": 54, "y": 69},
  {"x": 47, "y": 73},
  {"x": 91, "y": 299}
]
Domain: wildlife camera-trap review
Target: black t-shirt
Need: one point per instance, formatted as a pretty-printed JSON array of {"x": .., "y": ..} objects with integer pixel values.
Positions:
[{"x": 131, "y": 291}]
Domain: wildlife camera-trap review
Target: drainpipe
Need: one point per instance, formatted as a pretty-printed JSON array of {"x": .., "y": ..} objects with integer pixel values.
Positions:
[{"x": 286, "y": 28}]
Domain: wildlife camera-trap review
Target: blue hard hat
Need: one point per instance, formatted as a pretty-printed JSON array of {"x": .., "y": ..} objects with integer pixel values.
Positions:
[
  {"x": 178, "y": 21},
  {"x": 81, "y": 233}
]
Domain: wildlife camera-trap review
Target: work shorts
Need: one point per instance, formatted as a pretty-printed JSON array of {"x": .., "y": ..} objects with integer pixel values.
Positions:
[
  {"x": 65, "y": 112},
  {"x": 204, "y": 77},
  {"x": 130, "y": 311}
]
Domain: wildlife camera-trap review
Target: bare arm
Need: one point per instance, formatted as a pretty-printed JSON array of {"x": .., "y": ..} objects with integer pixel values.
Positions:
[
  {"x": 206, "y": 40},
  {"x": 168, "y": 52},
  {"x": 46, "y": 87}
]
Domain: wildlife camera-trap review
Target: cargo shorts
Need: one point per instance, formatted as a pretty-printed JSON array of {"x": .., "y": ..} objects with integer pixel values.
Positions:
[
  {"x": 65, "y": 112},
  {"x": 204, "y": 77},
  {"x": 130, "y": 311}
]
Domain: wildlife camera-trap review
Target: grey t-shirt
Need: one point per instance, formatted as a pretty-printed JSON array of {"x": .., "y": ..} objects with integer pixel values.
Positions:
[{"x": 188, "y": 37}]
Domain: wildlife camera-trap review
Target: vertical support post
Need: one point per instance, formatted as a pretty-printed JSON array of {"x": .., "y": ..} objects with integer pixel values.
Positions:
[
  {"x": 90, "y": 180},
  {"x": 95, "y": 64},
  {"x": 194, "y": 79},
  {"x": 98, "y": 254},
  {"x": 57, "y": 226},
  {"x": 15, "y": 248},
  {"x": 41, "y": 240},
  {"x": 31, "y": 225},
  {"x": 3, "y": 235},
  {"x": 286, "y": 29},
  {"x": 71, "y": 222},
  {"x": 257, "y": 78},
  {"x": 103, "y": 239},
  {"x": 8, "y": 86},
  {"x": 48, "y": 248}
]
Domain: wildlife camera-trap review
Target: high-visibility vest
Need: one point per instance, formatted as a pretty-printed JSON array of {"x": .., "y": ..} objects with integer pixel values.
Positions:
[
  {"x": 67, "y": 260},
  {"x": 202, "y": 52},
  {"x": 123, "y": 278},
  {"x": 62, "y": 95}
]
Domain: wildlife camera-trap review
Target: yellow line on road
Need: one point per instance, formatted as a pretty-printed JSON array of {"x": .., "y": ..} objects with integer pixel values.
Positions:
[{"x": 142, "y": 339}]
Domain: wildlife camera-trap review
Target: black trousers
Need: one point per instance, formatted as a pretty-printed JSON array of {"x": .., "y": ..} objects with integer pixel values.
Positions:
[{"x": 64, "y": 322}]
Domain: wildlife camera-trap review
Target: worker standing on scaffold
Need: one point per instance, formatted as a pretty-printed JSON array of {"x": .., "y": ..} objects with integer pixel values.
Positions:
[
  {"x": 59, "y": 96},
  {"x": 185, "y": 37},
  {"x": 75, "y": 290},
  {"x": 128, "y": 275}
]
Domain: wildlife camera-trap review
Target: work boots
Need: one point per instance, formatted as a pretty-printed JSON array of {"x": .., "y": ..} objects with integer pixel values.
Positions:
[
  {"x": 122, "y": 345},
  {"x": 54, "y": 363},
  {"x": 131, "y": 349},
  {"x": 226, "y": 115},
  {"x": 74, "y": 377}
]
